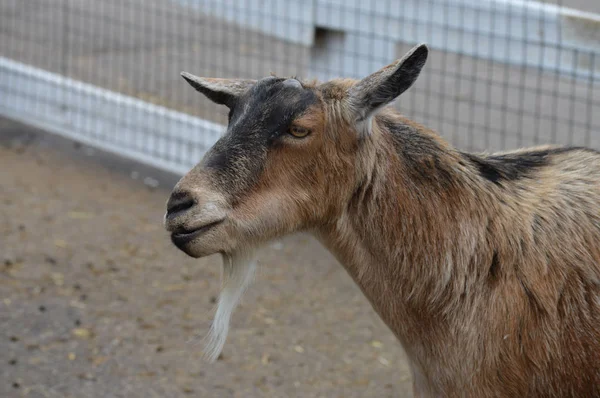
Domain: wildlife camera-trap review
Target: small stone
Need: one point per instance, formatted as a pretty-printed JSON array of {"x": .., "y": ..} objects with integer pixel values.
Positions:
[
  {"x": 151, "y": 182},
  {"x": 42, "y": 308},
  {"x": 376, "y": 344},
  {"x": 35, "y": 360},
  {"x": 57, "y": 278},
  {"x": 77, "y": 304},
  {"x": 50, "y": 260},
  {"x": 159, "y": 349},
  {"x": 60, "y": 243},
  {"x": 86, "y": 376},
  {"x": 82, "y": 333},
  {"x": 71, "y": 356},
  {"x": 79, "y": 215},
  {"x": 16, "y": 385},
  {"x": 99, "y": 360},
  {"x": 383, "y": 361},
  {"x": 265, "y": 359},
  {"x": 299, "y": 349}
]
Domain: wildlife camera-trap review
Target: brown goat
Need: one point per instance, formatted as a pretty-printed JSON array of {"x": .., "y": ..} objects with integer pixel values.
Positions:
[{"x": 486, "y": 267}]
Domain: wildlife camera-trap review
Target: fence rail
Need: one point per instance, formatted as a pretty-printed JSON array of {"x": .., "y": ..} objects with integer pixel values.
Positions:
[{"x": 166, "y": 139}]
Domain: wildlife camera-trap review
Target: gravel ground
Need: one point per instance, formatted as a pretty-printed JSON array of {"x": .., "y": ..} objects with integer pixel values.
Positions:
[{"x": 95, "y": 301}]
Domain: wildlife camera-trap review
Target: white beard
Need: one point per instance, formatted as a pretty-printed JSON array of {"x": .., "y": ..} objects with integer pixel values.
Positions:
[{"x": 237, "y": 274}]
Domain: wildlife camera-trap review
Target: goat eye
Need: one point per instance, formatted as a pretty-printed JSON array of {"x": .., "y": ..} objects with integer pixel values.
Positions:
[{"x": 298, "y": 132}]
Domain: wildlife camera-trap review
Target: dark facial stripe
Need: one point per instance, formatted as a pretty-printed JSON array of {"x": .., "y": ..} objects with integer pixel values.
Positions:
[{"x": 257, "y": 119}]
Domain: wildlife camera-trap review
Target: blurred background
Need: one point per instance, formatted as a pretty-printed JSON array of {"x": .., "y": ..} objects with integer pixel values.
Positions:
[{"x": 96, "y": 126}]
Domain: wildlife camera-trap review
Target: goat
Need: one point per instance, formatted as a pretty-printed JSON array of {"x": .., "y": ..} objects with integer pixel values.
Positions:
[{"x": 485, "y": 266}]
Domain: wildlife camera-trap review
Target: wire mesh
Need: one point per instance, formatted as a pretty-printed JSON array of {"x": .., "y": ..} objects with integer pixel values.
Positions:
[{"x": 502, "y": 73}]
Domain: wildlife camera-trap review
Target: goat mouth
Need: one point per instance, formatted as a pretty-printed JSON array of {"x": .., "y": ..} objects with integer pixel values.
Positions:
[{"x": 182, "y": 236}]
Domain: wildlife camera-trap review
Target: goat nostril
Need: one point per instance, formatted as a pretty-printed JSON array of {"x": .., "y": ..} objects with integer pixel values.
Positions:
[{"x": 178, "y": 202}]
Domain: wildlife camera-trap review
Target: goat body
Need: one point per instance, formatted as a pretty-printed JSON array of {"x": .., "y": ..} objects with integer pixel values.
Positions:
[{"x": 486, "y": 267}]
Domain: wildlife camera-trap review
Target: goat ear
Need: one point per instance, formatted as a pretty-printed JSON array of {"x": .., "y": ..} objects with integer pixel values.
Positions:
[
  {"x": 384, "y": 86},
  {"x": 220, "y": 91}
]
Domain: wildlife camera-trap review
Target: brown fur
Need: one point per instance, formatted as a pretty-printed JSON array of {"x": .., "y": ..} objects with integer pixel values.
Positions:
[
  {"x": 528, "y": 327},
  {"x": 493, "y": 288}
]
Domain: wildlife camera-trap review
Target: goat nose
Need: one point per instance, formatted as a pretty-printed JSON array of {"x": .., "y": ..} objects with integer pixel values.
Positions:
[{"x": 179, "y": 202}]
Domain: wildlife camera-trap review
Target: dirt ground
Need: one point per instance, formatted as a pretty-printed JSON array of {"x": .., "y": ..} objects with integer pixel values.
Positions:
[{"x": 96, "y": 302}]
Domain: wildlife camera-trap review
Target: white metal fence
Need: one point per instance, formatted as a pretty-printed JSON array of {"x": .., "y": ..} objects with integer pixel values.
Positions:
[{"x": 502, "y": 73}]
